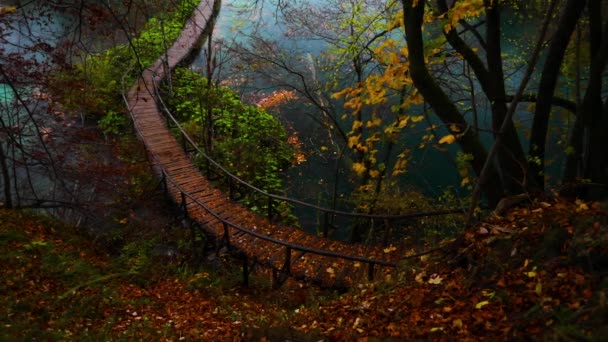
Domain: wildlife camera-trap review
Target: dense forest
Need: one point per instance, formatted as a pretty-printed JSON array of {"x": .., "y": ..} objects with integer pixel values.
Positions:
[{"x": 460, "y": 139}]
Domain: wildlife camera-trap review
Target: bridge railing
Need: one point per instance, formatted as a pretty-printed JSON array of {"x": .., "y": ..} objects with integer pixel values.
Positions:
[
  {"x": 384, "y": 223},
  {"x": 289, "y": 247},
  {"x": 184, "y": 196}
]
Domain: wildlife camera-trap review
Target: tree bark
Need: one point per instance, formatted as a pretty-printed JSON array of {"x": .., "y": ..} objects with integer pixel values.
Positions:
[
  {"x": 8, "y": 200},
  {"x": 441, "y": 103},
  {"x": 511, "y": 157},
  {"x": 538, "y": 138},
  {"x": 587, "y": 140}
]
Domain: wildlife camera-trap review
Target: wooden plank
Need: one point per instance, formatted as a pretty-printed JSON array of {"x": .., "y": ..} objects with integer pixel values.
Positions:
[{"x": 161, "y": 144}]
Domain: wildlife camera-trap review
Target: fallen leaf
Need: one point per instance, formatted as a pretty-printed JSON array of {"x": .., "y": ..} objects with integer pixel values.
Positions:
[
  {"x": 481, "y": 304},
  {"x": 390, "y": 249},
  {"x": 435, "y": 280}
]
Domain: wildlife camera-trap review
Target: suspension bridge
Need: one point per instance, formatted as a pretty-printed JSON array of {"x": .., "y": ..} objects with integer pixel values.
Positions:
[{"x": 258, "y": 239}]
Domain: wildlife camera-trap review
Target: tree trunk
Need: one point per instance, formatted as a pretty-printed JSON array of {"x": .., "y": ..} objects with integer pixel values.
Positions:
[
  {"x": 511, "y": 157},
  {"x": 441, "y": 103},
  {"x": 588, "y": 159},
  {"x": 209, "y": 132},
  {"x": 567, "y": 23},
  {"x": 6, "y": 178}
]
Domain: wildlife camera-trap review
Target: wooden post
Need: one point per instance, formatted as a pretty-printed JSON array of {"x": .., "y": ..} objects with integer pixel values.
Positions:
[
  {"x": 163, "y": 183},
  {"x": 269, "y": 209},
  {"x": 275, "y": 279},
  {"x": 245, "y": 270},
  {"x": 387, "y": 231},
  {"x": 231, "y": 187},
  {"x": 226, "y": 234},
  {"x": 183, "y": 142},
  {"x": 287, "y": 264},
  {"x": 184, "y": 205},
  {"x": 325, "y": 224}
]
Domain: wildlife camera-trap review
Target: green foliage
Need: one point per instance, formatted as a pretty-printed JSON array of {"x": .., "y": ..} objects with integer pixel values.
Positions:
[
  {"x": 112, "y": 124},
  {"x": 417, "y": 232},
  {"x": 97, "y": 83},
  {"x": 36, "y": 269},
  {"x": 151, "y": 43},
  {"x": 463, "y": 161},
  {"x": 248, "y": 141}
]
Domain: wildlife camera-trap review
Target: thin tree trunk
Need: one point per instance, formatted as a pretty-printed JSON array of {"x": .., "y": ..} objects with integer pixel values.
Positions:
[
  {"x": 6, "y": 179},
  {"x": 441, "y": 103},
  {"x": 588, "y": 135},
  {"x": 511, "y": 157},
  {"x": 209, "y": 132},
  {"x": 511, "y": 111},
  {"x": 538, "y": 138}
]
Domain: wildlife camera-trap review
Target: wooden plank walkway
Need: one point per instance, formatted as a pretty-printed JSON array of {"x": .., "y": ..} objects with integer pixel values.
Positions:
[{"x": 287, "y": 250}]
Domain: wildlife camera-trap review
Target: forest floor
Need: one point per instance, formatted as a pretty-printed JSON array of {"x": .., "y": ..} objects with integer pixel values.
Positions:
[{"x": 537, "y": 272}]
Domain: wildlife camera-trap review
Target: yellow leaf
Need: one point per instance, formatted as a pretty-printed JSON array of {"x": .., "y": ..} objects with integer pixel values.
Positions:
[
  {"x": 448, "y": 139},
  {"x": 417, "y": 118},
  {"x": 481, "y": 304},
  {"x": 538, "y": 289},
  {"x": 330, "y": 270},
  {"x": 436, "y": 329},
  {"x": 416, "y": 98},
  {"x": 582, "y": 206},
  {"x": 359, "y": 168},
  {"x": 353, "y": 140},
  {"x": 374, "y": 173},
  {"x": 465, "y": 181},
  {"x": 390, "y": 249},
  {"x": 457, "y": 323},
  {"x": 7, "y": 10},
  {"x": 435, "y": 280},
  {"x": 403, "y": 122},
  {"x": 374, "y": 122},
  {"x": 341, "y": 93}
]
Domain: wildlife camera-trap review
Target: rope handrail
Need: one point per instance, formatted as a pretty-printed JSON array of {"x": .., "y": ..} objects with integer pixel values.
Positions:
[
  {"x": 296, "y": 247},
  {"x": 277, "y": 241},
  {"x": 212, "y": 219},
  {"x": 185, "y": 135}
]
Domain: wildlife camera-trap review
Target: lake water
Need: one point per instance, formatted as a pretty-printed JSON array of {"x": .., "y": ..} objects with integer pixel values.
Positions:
[
  {"x": 431, "y": 171},
  {"x": 19, "y": 38}
]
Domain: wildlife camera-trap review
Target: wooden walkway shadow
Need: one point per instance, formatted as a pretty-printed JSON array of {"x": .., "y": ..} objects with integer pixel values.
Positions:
[{"x": 288, "y": 251}]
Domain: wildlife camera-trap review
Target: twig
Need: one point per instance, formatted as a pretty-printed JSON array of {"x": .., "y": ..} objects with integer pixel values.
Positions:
[{"x": 73, "y": 290}]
